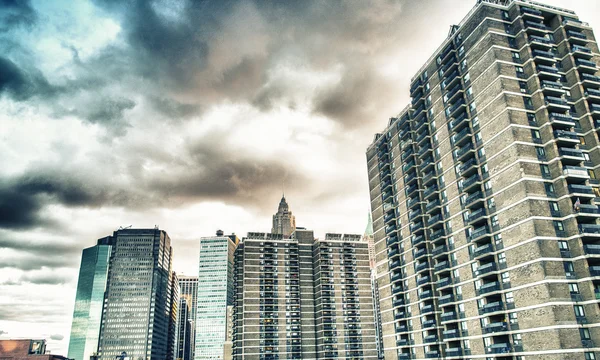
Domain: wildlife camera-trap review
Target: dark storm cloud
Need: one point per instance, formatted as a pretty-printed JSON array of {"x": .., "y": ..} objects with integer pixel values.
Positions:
[
  {"x": 20, "y": 83},
  {"x": 16, "y": 13},
  {"x": 39, "y": 247}
]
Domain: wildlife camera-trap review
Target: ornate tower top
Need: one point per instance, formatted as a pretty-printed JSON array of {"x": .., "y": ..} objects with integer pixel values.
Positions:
[{"x": 283, "y": 221}]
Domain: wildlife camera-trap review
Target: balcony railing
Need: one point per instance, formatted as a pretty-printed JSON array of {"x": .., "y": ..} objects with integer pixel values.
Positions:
[
  {"x": 489, "y": 287},
  {"x": 575, "y": 171},
  {"x": 546, "y": 68},
  {"x": 583, "y": 62},
  {"x": 536, "y": 25},
  {"x": 590, "y": 77},
  {"x": 539, "y": 39},
  {"x": 576, "y": 34}
]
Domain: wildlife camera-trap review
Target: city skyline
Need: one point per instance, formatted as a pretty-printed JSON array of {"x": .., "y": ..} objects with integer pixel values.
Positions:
[{"x": 334, "y": 85}]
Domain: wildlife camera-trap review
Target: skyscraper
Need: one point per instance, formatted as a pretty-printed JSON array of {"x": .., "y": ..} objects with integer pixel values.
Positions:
[
  {"x": 188, "y": 291},
  {"x": 184, "y": 331},
  {"x": 215, "y": 294},
  {"x": 303, "y": 298},
  {"x": 138, "y": 312},
  {"x": 484, "y": 193},
  {"x": 283, "y": 221},
  {"x": 89, "y": 300}
]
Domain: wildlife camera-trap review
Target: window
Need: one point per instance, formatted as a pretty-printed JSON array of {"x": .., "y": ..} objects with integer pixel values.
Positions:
[
  {"x": 528, "y": 104},
  {"x": 558, "y": 225},
  {"x": 520, "y": 71},
  {"x": 541, "y": 153},
  {"x": 573, "y": 288},
  {"x": 470, "y": 93},
  {"x": 472, "y": 108},
  {"x": 563, "y": 245},
  {"x": 505, "y": 277},
  {"x": 590, "y": 356},
  {"x": 505, "y": 15},
  {"x": 495, "y": 221},
  {"x": 512, "y": 42},
  {"x": 523, "y": 87},
  {"x": 513, "y": 318},
  {"x": 585, "y": 334},
  {"x": 569, "y": 269},
  {"x": 545, "y": 170},
  {"x": 554, "y": 208},
  {"x": 461, "y": 51},
  {"x": 427, "y": 88},
  {"x": 531, "y": 118},
  {"x": 516, "y": 57},
  {"x": 549, "y": 189},
  {"x": 467, "y": 78},
  {"x": 502, "y": 258},
  {"x": 478, "y": 136},
  {"x": 491, "y": 203},
  {"x": 463, "y": 65},
  {"x": 592, "y": 173},
  {"x": 475, "y": 121},
  {"x": 425, "y": 75},
  {"x": 509, "y": 297},
  {"x": 579, "y": 312}
]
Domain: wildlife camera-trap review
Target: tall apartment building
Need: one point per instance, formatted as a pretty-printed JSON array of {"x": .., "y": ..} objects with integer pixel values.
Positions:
[
  {"x": 138, "y": 311},
  {"x": 484, "y": 193},
  {"x": 188, "y": 291},
  {"x": 215, "y": 294},
  {"x": 284, "y": 222},
  {"x": 303, "y": 298},
  {"x": 89, "y": 299}
]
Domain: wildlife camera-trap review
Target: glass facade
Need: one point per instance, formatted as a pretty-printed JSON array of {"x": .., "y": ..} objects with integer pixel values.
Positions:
[
  {"x": 215, "y": 293},
  {"x": 87, "y": 314}
]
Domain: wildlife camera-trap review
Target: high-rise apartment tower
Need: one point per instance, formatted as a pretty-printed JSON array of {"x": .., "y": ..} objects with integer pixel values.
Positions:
[
  {"x": 303, "y": 298},
  {"x": 484, "y": 193}
]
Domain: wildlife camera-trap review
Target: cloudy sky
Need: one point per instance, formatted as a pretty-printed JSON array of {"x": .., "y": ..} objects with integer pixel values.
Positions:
[{"x": 189, "y": 115}]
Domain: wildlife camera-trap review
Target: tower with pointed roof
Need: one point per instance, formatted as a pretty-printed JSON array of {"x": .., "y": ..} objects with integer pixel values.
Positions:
[{"x": 283, "y": 221}]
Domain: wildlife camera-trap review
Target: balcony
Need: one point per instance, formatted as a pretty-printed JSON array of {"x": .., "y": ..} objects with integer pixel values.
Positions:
[
  {"x": 586, "y": 65},
  {"x": 495, "y": 327},
  {"x": 453, "y": 333},
  {"x": 590, "y": 78},
  {"x": 484, "y": 269},
  {"x": 525, "y": 11},
  {"x": 576, "y": 36},
  {"x": 488, "y": 288},
  {"x": 589, "y": 229},
  {"x": 416, "y": 240},
  {"x": 576, "y": 172},
  {"x": 423, "y": 280},
  {"x": 588, "y": 209},
  {"x": 392, "y": 240},
  {"x": 434, "y": 219},
  {"x": 482, "y": 250},
  {"x": 562, "y": 119},
  {"x": 437, "y": 234},
  {"x": 475, "y": 215},
  {"x": 592, "y": 93},
  {"x": 575, "y": 154},
  {"x": 540, "y": 41},
  {"x": 550, "y": 72},
  {"x": 442, "y": 266},
  {"x": 428, "y": 324},
  {"x": 592, "y": 249},
  {"x": 416, "y": 227},
  {"x": 454, "y": 352},
  {"x": 566, "y": 136},
  {"x": 456, "y": 122},
  {"x": 572, "y": 23},
  {"x": 420, "y": 253},
  {"x": 463, "y": 150},
  {"x": 491, "y": 307},
  {"x": 439, "y": 250},
  {"x": 552, "y": 87},
  {"x": 432, "y": 204},
  {"x": 501, "y": 348},
  {"x": 536, "y": 25},
  {"x": 421, "y": 266},
  {"x": 445, "y": 299},
  {"x": 448, "y": 316},
  {"x": 473, "y": 197},
  {"x": 556, "y": 102},
  {"x": 430, "y": 190},
  {"x": 479, "y": 232},
  {"x": 581, "y": 190},
  {"x": 546, "y": 55},
  {"x": 430, "y": 339},
  {"x": 464, "y": 134},
  {"x": 443, "y": 282},
  {"x": 470, "y": 181}
]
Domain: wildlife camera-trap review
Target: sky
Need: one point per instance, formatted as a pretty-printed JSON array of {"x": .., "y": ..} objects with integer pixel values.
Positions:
[{"x": 193, "y": 116}]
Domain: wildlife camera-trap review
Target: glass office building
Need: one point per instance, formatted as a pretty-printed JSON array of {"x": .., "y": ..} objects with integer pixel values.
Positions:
[
  {"x": 87, "y": 314},
  {"x": 215, "y": 293}
]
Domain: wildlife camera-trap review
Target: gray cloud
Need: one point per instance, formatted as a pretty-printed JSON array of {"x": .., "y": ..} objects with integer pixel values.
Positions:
[{"x": 16, "y": 13}]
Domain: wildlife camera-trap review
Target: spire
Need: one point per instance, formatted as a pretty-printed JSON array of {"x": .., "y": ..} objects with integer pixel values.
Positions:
[{"x": 369, "y": 229}]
